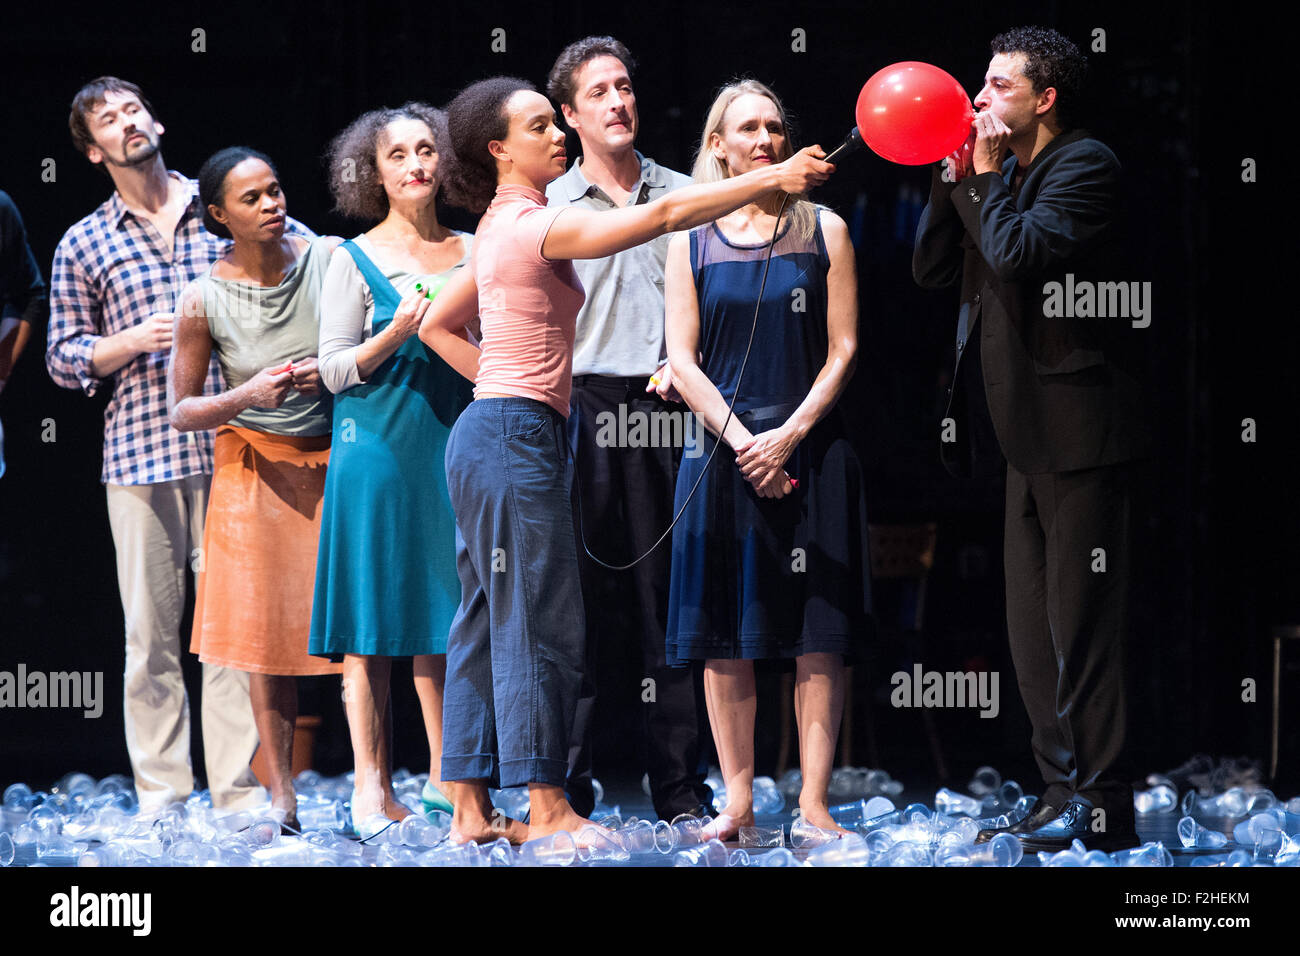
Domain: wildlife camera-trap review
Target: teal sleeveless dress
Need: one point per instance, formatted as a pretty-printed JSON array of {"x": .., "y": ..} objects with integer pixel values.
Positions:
[{"x": 386, "y": 581}]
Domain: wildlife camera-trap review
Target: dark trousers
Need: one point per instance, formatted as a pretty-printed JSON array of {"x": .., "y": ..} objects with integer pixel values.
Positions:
[
  {"x": 626, "y": 496},
  {"x": 1068, "y": 620}
]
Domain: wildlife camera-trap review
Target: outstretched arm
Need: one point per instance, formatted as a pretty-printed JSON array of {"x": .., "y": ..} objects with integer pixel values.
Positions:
[{"x": 586, "y": 234}]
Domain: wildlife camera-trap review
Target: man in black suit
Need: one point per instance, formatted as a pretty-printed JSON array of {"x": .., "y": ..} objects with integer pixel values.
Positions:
[{"x": 1043, "y": 381}]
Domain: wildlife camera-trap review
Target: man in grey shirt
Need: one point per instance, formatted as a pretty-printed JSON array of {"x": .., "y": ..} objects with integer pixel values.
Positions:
[{"x": 627, "y": 439}]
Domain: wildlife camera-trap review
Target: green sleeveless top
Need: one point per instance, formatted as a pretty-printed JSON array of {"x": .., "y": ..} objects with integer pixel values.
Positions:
[{"x": 255, "y": 327}]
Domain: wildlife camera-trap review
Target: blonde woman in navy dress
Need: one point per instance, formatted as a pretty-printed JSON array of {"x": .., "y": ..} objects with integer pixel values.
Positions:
[{"x": 762, "y": 568}]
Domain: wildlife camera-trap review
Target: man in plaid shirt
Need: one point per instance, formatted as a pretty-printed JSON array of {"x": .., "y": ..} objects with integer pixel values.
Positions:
[{"x": 117, "y": 274}]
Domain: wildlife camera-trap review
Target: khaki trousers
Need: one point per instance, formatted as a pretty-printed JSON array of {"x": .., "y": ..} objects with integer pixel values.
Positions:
[{"x": 157, "y": 532}]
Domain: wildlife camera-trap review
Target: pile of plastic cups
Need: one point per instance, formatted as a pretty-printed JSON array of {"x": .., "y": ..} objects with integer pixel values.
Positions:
[{"x": 81, "y": 821}]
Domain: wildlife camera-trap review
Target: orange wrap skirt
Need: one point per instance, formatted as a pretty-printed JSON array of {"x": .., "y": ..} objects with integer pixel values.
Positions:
[{"x": 257, "y": 571}]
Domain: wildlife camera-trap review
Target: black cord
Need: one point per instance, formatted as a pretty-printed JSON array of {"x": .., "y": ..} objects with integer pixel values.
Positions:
[
  {"x": 577, "y": 479},
  {"x": 384, "y": 829}
]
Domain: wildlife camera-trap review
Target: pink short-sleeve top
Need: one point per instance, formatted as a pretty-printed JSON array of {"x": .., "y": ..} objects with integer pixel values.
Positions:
[{"x": 528, "y": 305}]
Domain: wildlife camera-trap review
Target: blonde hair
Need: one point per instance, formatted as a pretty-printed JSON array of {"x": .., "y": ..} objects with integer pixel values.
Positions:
[{"x": 709, "y": 169}]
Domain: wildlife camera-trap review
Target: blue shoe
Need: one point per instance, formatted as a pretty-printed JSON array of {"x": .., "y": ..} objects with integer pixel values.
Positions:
[{"x": 431, "y": 798}]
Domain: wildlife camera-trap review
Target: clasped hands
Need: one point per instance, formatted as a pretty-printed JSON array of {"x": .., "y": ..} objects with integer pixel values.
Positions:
[
  {"x": 271, "y": 386},
  {"x": 762, "y": 459}
]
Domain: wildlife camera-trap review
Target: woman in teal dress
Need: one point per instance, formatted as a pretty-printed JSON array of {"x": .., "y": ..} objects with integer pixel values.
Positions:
[{"x": 386, "y": 581}]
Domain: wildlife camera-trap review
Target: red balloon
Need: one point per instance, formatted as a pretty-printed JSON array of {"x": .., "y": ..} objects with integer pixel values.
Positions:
[{"x": 913, "y": 113}]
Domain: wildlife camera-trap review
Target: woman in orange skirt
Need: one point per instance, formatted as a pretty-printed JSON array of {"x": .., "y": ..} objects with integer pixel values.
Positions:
[{"x": 257, "y": 310}]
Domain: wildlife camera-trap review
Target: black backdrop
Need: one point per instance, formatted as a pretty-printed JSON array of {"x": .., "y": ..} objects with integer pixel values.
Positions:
[{"x": 1178, "y": 93}]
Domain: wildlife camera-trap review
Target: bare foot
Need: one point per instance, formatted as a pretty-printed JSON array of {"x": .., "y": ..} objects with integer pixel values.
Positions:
[
  {"x": 819, "y": 816},
  {"x": 366, "y": 804},
  {"x": 394, "y": 810},
  {"x": 565, "y": 819},
  {"x": 467, "y": 826},
  {"x": 726, "y": 825},
  {"x": 285, "y": 806}
]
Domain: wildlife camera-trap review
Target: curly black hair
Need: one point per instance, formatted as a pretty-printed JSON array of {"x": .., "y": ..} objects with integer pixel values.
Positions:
[
  {"x": 560, "y": 85},
  {"x": 1050, "y": 60},
  {"x": 212, "y": 181},
  {"x": 474, "y": 118},
  {"x": 352, "y": 159}
]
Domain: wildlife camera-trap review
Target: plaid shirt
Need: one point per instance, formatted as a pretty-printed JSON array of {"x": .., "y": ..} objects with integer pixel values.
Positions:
[{"x": 111, "y": 272}]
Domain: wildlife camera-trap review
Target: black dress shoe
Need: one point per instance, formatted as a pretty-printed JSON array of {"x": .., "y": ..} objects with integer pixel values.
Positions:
[
  {"x": 1075, "y": 823},
  {"x": 1042, "y": 813}
]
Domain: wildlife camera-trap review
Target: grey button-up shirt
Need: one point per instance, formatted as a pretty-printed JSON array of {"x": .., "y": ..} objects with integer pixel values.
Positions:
[{"x": 620, "y": 327}]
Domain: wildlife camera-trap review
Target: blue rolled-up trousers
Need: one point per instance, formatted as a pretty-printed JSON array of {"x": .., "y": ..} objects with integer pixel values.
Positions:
[{"x": 515, "y": 651}]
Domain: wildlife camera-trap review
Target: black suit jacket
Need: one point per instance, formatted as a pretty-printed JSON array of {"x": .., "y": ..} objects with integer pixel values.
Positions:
[{"x": 1061, "y": 392}]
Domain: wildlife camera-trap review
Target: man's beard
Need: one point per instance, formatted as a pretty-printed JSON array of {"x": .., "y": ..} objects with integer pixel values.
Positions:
[{"x": 139, "y": 156}]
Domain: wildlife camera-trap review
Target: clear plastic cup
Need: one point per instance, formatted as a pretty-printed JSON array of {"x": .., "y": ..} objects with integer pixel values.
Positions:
[
  {"x": 558, "y": 849},
  {"x": 710, "y": 853},
  {"x": 1193, "y": 835},
  {"x": 858, "y": 811},
  {"x": 960, "y": 831},
  {"x": 1159, "y": 799},
  {"x": 949, "y": 801},
  {"x": 597, "y": 844},
  {"x": 1288, "y": 851},
  {"x": 904, "y": 855},
  {"x": 1149, "y": 854},
  {"x": 685, "y": 830},
  {"x": 416, "y": 831},
  {"x": 499, "y": 853},
  {"x": 292, "y": 851},
  {"x": 778, "y": 857},
  {"x": 18, "y": 796},
  {"x": 316, "y": 814},
  {"x": 851, "y": 850},
  {"x": 804, "y": 835},
  {"x": 986, "y": 780},
  {"x": 393, "y": 854},
  {"x": 59, "y": 852},
  {"x": 638, "y": 836},
  {"x": 762, "y": 837},
  {"x": 1003, "y": 850}
]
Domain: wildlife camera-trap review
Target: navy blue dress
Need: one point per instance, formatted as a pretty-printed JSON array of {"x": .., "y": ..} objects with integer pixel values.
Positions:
[{"x": 760, "y": 577}]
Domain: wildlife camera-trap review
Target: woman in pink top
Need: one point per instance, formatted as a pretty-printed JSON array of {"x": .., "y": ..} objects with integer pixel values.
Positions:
[{"x": 515, "y": 652}]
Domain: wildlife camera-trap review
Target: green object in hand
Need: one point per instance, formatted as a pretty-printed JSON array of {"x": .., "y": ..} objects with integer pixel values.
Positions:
[{"x": 432, "y": 287}]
